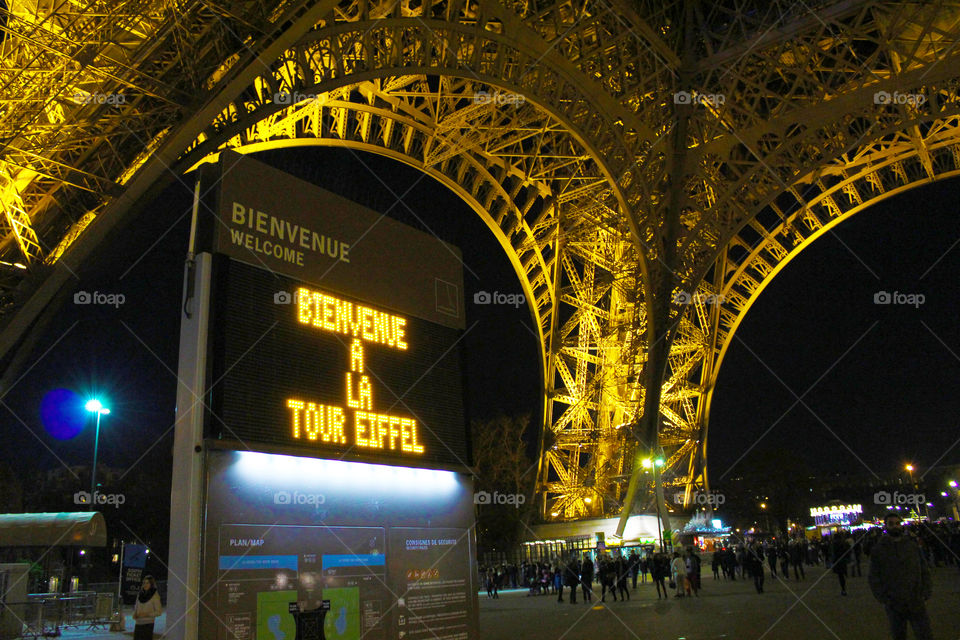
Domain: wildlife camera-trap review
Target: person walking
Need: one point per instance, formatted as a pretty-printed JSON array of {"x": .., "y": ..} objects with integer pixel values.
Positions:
[
  {"x": 558, "y": 578},
  {"x": 623, "y": 574},
  {"x": 839, "y": 557},
  {"x": 659, "y": 570},
  {"x": 796, "y": 558},
  {"x": 571, "y": 577},
  {"x": 146, "y": 609},
  {"x": 633, "y": 564},
  {"x": 678, "y": 573},
  {"x": 586, "y": 578},
  {"x": 607, "y": 578},
  {"x": 693, "y": 571},
  {"x": 857, "y": 542},
  {"x": 770, "y": 550},
  {"x": 899, "y": 578},
  {"x": 715, "y": 564},
  {"x": 783, "y": 552},
  {"x": 642, "y": 565},
  {"x": 754, "y": 564}
]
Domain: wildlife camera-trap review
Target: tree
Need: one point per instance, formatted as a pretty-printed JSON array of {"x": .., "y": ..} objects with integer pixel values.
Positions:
[
  {"x": 774, "y": 477},
  {"x": 505, "y": 479},
  {"x": 11, "y": 498}
]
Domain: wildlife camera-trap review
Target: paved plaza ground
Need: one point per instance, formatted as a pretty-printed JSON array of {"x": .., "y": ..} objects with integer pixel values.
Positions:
[
  {"x": 807, "y": 610},
  {"x": 810, "y": 609}
]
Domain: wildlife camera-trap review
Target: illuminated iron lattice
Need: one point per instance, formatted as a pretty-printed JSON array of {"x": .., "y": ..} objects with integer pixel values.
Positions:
[{"x": 647, "y": 166}]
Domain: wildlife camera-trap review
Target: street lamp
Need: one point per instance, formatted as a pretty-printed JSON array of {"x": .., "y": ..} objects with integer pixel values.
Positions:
[
  {"x": 955, "y": 500},
  {"x": 96, "y": 407},
  {"x": 656, "y": 463}
]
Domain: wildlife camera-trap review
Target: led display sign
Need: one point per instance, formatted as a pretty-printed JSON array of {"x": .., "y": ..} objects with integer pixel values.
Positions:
[
  {"x": 327, "y": 423},
  {"x": 333, "y": 376}
]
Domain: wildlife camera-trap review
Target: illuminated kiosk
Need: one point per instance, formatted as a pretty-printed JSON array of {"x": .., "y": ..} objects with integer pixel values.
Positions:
[
  {"x": 321, "y": 449},
  {"x": 836, "y": 517}
]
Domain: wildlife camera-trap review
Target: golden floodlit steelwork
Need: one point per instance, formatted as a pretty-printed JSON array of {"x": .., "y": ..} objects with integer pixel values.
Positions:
[{"x": 647, "y": 166}]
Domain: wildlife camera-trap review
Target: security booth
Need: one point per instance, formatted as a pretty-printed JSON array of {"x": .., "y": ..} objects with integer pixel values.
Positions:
[
  {"x": 590, "y": 535},
  {"x": 321, "y": 456},
  {"x": 51, "y": 540}
]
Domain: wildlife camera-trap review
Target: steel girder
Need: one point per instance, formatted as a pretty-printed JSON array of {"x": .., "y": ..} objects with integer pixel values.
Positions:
[{"x": 626, "y": 211}]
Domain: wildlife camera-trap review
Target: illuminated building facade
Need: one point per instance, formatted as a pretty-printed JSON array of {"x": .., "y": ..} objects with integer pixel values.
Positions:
[{"x": 648, "y": 166}]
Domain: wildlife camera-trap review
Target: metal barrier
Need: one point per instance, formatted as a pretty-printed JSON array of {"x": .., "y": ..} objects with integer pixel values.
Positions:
[{"x": 46, "y": 614}]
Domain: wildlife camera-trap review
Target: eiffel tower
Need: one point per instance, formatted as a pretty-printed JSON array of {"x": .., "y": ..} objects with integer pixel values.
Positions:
[{"x": 647, "y": 167}]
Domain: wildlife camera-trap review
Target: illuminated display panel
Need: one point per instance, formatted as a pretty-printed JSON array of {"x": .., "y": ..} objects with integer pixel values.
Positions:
[{"x": 332, "y": 376}]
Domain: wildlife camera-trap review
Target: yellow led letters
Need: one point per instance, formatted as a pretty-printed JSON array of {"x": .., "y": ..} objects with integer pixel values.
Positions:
[
  {"x": 328, "y": 313},
  {"x": 325, "y": 423},
  {"x": 317, "y": 422}
]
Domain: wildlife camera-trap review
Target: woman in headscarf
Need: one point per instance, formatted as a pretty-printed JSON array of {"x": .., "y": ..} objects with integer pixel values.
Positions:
[
  {"x": 146, "y": 609},
  {"x": 678, "y": 572}
]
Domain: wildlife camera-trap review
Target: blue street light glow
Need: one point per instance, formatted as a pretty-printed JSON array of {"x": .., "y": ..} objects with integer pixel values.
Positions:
[
  {"x": 96, "y": 406},
  {"x": 61, "y": 412}
]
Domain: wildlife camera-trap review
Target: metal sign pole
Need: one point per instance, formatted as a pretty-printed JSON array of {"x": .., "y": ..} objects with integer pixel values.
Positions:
[
  {"x": 186, "y": 499},
  {"x": 120, "y": 579}
]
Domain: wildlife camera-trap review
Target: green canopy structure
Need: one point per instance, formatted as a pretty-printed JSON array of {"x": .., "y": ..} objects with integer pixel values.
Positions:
[{"x": 86, "y": 528}]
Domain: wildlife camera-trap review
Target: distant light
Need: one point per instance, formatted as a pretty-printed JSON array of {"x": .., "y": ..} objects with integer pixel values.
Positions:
[
  {"x": 83, "y": 552},
  {"x": 953, "y": 483},
  {"x": 588, "y": 500},
  {"x": 555, "y": 514},
  {"x": 717, "y": 524},
  {"x": 647, "y": 463},
  {"x": 944, "y": 494},
  {"x": 19, "y": 265},
  {"x": 763, "y": 505},
  {"x": 909, "y": 467}
]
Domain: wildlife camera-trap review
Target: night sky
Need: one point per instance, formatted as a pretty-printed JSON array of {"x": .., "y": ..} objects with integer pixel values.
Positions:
[
  {"x": 891, "y": 398},
  {"x": 882, "y": 379}
]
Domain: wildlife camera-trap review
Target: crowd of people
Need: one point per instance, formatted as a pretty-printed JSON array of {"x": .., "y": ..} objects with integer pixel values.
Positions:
[
  {"x": 899, "y": 559},
  {"x": 605, "y": 573}
]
